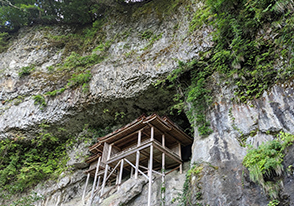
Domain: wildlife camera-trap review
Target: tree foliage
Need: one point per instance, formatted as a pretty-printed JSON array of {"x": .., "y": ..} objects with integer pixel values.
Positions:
[{"x": 17, "y": 13}]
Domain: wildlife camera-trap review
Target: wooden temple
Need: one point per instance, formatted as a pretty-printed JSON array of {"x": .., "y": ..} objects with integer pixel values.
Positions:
[{"x": 147, "y": 146}]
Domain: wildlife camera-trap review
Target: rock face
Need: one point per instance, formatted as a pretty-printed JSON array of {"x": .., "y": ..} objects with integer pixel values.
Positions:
[
  {"x": 236, "y": 124},
  {"x": 122, "y": 85}
]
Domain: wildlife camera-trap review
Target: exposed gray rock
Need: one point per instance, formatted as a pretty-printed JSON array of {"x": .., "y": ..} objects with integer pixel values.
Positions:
[
  {"x": 121, "y": 83},
  {"x": 256, "y": 122},
  {"x": 128, "y": 190}
]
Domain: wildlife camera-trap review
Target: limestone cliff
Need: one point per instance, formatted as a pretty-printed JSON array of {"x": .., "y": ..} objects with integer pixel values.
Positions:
[{"x": 140, "y": 45}]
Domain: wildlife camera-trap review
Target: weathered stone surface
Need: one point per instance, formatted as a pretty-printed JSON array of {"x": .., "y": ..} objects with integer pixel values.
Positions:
[
  {"x": 128, "y": 190},
  {"x": 256, "y": 122},
  {"x": 121, "y": 83},
  {"x": 62, "y": 191}
]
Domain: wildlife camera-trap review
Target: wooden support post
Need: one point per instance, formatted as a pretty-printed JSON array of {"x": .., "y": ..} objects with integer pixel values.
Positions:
[
  {"x": 97, "y": 188},
  {"x": 132, "y": 172},
  {"x": 95, "y": 179},
  {"x": 120, "y": 173},
  {"x": 152, "y": 134},
  {"x": 116, "y": 180},
  {"x": 86, "y": 185},
  {"x": 98, "y": 183},
  {"x": 105, "y": 171},
  {"x": 150, "y": 172},
  {"x": 163, "y": 173},
  {"x": 138, "y": 155},
  {"x": 180, "y": 155}
]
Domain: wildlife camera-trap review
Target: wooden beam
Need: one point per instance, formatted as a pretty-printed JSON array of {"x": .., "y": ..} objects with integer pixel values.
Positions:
[
  {"x": 126, "y": 137},
  {"x": 171, "y": 155},
  {"x": 120, "y": 173},
  {"x": 106, "y": 170},
  {"x": 95, "y": 179},
  {"x": 146, "y": 155},
  {"x": 180, "y": 155},
  {"x": 173, "y": 170},
  {"x": 150, "y": 170},
  {"x": 112, "y": 171},
  {"x": 129, "y": 152},
  {"x": 132, "y": 172},
  {"x": 163, "y": 173},
  {"x": 154, "y": 171},
  {"x": 138, "y": 155},
  {"x": 97, "y": 188},
  {"x": 152, "y": 134},
  {"x": 134, "y": 166},
  {"x": 175, "y": 138}
]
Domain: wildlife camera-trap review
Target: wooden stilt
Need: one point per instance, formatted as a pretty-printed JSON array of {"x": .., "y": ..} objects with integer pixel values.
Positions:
[
  {"x": 98, "y": 183},
  {"x": 163, "y": 174},
  {"x": 150, "y": 173},
  {"x": 86, "y": 185},
  {"x": 138, "y": 155},
  {"x": 116, "y": 180},
  {"x": 95, "y": 179},
  {"x": 105, "y": 171},
  {"x": 97, "y": 188},
  {"x": 180, "y": 155},
  {"x": 120, "y": 173},
  {"x": 132, "y": 172}
]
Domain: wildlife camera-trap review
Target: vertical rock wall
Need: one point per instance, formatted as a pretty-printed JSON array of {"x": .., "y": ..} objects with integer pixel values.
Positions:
[{"x": 235, "y": 125}]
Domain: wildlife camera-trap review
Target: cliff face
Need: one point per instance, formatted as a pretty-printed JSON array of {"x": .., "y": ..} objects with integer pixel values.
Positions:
[
  {"x": 143, "y": 46},
  {"x": 235, "y": 124}
]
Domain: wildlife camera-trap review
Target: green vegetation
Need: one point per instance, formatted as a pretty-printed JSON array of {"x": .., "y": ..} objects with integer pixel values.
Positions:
[
  {"x": 265, "y": 164},
  {"x": 147, "y": 34},
  {"x": 17, "y": 13},
  {"x": 3, "y": 41},
  {"x": 55, "y": 92},
  {"x": 24, "y": 163},
  {"x": 28, "y": 200},
  {"x": 40, "y": 100},
  {"x": 191, "y": 82},
  {"x": 252, "y": 51},
  {"x": 151, "y": 37},
  {"x": 241, "y": 139},
  {"x": 192, "y": 185},
  {"x": 24, "y": 71},
  {"x": 195, "y": 171},
  {"x": 250, "y": 40}
]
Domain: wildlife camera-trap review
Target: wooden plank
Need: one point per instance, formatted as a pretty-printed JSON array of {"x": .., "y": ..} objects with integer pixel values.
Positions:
[
  {"x": 173, "y": 170},
  {"x": 168, "y": 153},
  {"x": 123, "y": 139},
  {"x": 146, "y": 155},
  {"x": 129, "y": 152}
]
